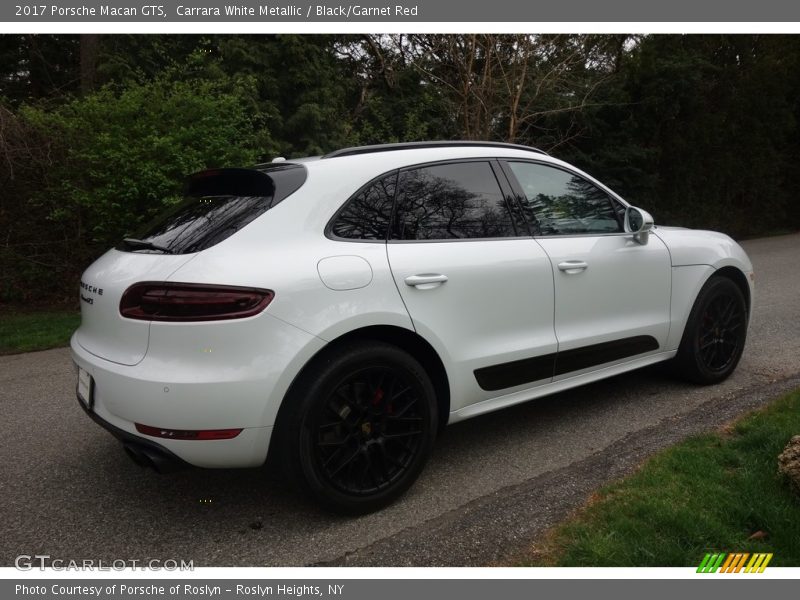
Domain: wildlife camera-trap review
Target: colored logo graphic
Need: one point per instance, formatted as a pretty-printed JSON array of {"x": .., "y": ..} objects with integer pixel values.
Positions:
[{"x": 734, "y": 563}]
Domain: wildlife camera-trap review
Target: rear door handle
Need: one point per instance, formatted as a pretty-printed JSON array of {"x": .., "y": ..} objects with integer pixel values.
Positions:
[
  {"x": 425, "y": 281},
  {"x": 571, "y": 267}
]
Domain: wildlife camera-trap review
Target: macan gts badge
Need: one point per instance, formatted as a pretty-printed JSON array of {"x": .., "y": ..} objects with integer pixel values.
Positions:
[{"x": 338, "y": 311}]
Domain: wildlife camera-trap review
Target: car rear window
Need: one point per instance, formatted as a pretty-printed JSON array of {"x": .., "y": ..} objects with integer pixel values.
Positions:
[
  {"x": 217, "y": 203},
  {"x": 461, "y": 200}
]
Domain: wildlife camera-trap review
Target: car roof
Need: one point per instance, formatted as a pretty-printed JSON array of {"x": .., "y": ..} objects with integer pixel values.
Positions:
[
  {"x": 384, "y": 158},
  {"x": 360, "y": 150}
]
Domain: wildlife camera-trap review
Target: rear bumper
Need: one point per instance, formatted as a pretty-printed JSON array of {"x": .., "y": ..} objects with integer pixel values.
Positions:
[
  {"x": 143, "y": 451},
  {"x": 175, "y": 386}
]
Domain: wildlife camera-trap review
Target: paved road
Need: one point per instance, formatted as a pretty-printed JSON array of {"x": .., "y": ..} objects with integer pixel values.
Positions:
[{"x": 492, "y": 485}]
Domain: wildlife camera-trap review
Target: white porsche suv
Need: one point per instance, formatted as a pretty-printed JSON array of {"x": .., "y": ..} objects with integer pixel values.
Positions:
[{"x": 338, "y": 311}]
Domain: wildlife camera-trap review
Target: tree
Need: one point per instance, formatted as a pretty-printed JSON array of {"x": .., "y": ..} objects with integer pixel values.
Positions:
[
  {"x": 507, "y": 86},
  {"x": 90, "y": 48},
  {"x": 34, "y": 67}
]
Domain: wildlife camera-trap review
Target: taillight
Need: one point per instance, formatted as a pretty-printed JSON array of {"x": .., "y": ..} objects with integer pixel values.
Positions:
[
  {"x": 167, "y": 301},
  {"x": 188, "y": 434}
]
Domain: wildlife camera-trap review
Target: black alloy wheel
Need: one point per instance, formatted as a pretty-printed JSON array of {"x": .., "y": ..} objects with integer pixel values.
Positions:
[
  {"x": 363, "y": 425},
  {"x": 720, "y": 333},
  {"x": 369, "y": 430},
  {"x": 715, "y": 333}
]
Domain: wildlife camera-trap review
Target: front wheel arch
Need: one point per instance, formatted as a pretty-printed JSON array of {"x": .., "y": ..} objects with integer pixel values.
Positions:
[
  {"x": 740, "y": 279},
  {"x": 689, "y": 362}
]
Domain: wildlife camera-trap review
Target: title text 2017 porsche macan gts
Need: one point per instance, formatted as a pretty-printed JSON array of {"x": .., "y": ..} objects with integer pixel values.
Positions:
[{"x": 338, "y": 311}]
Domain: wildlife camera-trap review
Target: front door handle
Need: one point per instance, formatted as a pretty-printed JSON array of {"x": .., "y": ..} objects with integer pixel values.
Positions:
[
  {"x": 425, "y": 281},
  {"x": 571, "y": 267}
]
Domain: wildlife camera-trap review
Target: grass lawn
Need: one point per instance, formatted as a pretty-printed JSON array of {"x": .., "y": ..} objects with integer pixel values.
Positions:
[
  {"x": 708, "y": 494},
  {"x": 26, "y": 332}
]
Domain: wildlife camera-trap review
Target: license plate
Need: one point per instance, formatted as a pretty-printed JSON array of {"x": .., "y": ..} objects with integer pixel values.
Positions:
[{"x": 85, "y": 388}]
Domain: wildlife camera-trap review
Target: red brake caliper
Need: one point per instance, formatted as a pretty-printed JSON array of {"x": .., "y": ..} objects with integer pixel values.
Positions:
[{"x": 376, "y": 399}]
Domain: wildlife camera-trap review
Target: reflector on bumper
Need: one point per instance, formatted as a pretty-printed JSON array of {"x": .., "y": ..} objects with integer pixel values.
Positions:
[{"x": 186, "y": 434}]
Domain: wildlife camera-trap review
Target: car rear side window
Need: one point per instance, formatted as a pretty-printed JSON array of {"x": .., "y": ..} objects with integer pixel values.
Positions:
[
  {"x": 366, "y": 215},
  {"x": 561, "y": 203},
  {"x": 217, "y": 203},
  {"x": 451, "y": 201}
]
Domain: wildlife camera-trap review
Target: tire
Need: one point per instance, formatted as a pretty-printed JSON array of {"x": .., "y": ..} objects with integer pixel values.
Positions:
[
  {"x": 359, "y": 427},
  {"x": 715, "y": 333}
]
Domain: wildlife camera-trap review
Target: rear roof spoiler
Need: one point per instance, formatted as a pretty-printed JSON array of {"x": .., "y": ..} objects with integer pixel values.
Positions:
[{"x": 277, "y": 182}]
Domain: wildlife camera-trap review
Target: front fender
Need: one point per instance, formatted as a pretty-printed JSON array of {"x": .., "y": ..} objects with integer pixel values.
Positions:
[
  {"x": 700, "y": 247},
  {"x": 696, "y": 255}
]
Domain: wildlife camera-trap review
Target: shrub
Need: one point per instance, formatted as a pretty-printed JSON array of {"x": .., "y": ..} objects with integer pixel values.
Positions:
[
  {"x": 114, "y": 159},
  {"x": 124, "y": 155}
]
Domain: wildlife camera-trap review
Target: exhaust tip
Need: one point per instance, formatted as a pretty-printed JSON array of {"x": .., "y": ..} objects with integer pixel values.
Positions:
[
  {"x": 158, "y": 462},
  {"x": 152, "y": 459},
  {"x": 137, "y": 456}
]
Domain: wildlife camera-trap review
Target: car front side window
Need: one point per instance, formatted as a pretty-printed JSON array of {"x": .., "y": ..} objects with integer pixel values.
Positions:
[{"x": 561, "y": 203}]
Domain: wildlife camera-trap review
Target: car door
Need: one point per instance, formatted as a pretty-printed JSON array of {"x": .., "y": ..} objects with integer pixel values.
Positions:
[
  {"x": 477, "y": 289},
  {"x": 612, "y": 293}
]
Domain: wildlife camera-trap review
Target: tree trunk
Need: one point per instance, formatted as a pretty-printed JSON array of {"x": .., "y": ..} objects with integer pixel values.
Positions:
[{"x": 90, "y": 47}]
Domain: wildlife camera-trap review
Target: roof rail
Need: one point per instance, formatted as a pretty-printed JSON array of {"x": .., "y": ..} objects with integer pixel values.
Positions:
[{"x": 438, "y": 144}]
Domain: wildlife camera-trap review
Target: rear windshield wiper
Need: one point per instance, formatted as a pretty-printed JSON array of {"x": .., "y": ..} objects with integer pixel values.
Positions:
[{"x": 135, "y": 244}]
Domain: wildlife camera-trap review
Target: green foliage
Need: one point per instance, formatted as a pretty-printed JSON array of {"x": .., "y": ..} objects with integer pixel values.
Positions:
[
  {"x": 114, "y": 158},
  {"x": 299, "y": 86},
  {"x": 124, "y": 155},
  {"x": 27, "y": 332},
  {"x": 702, "y": 131},
  {"x": 708, "y": 494}
]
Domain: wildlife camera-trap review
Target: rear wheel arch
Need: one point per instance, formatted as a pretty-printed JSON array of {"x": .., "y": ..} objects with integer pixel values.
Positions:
[
  {"x": 418, "y": 347},
  {"x": 405, "y": 339}
]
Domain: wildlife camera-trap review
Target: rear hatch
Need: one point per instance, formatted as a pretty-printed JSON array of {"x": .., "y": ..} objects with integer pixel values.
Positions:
[
  {"x": 217, "y": 204},
  {"x": 103, "y": 331}
]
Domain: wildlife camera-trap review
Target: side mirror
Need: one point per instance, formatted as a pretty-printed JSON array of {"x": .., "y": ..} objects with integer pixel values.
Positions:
[{"x": 638, "y": 222}]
